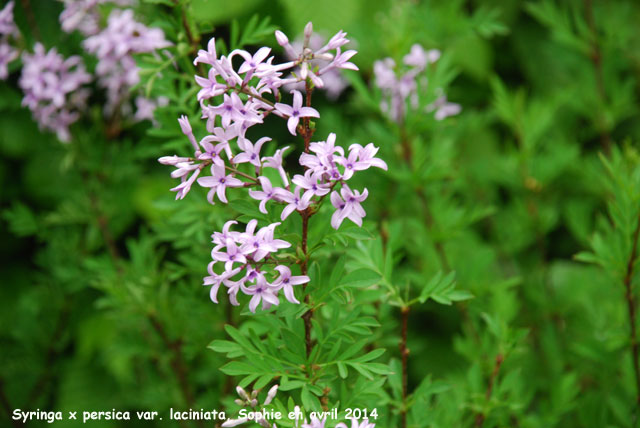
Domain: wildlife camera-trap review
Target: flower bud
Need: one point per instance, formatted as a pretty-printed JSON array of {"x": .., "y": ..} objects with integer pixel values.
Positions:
[
  {"x": 185, "y": 125},
  {"x": 308, "y": 30},
  {"x": 242, "y": 393},
  {"x": 172, "y": 160},
  {"x": 281, "y": 38},
  {"x": 271, "y": 394}
]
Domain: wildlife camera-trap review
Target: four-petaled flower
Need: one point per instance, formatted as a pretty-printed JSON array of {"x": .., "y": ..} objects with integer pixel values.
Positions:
[
  {"x": 295, "y": 202},
  {"x": 348, "y": 206},
  {"x": 295, "y": 111},
  {"x": 219, "y": 181},
  {"x": 268, "y": 193},
  {"x": 286, "y": 281}
]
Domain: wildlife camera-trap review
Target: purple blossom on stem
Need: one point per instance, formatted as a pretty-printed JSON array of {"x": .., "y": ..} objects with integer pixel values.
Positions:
[
  {"x": 53, "y": 89},
  {"x": 268, "y": 193},
  {"x": 295, "y": 202},
  {"x": 8, "y": 30},
  {"x": 296, "y": 111},
  {"x": 250, "y": 152},
  {"x": 286, "y": 281},
  {"x": 347, "y": 205},
  {"x": 260, "y": 291},
  {"x": 275, "y": 162},
  {"x": 232, "y": 102},
  {"x": 114, "y": 47},
  {"x": 218, "y": 182},
  {"x": 398, "y": 88}
]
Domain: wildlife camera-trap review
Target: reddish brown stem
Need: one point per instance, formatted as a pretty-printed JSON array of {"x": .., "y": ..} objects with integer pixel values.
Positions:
[
  {"x": 307, "y": 133},
  {"x": 631, "y": 306},
  {"x": 596, "y": 61},
  {"x": 496, "y": 369},
  {"x": 404, "y": 354},
  {"x": 177, "y": 361}
]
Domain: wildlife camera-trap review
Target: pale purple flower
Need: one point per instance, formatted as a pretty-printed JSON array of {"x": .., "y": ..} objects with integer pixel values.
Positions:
[
  {"x": 347, "y": 205},
  {"x": 332, "y": 81},
  {"x": 219, "y": 238},
  {"x": 283, "y": 41},
  {"x": 398, "y": 87},
  {"x": 114, "y": 46},
  {"x": 261, "y": 291},
  {"x": 309, "y": 182},
  {"x": 263, "y": 243},
  {"x": 286, "y": 281},
  {"x": 8, "y": 30},
  {"x": 212, "y": 151},
  {"x": 186, "y": 129},
  {"x": 366, "y": 157},
  {"x": 295, "y": 111},
  {"x": 443, "y": 108},
  {"x": 53, "y": 90},
  {"x": 218, "y": 182},
  {"x": 419, "y": 58},
  {"x": 210, "y": 86},
  {"x": 275, "y": 162},
  {"x": 7, "y": 54},
  {"x": 250, "y": 152},
  {"x": 251, "y": 63},
  {"x": 248, "y": 257},
  {"x": 145, "y": 108},
  {"x": 341, "y": 60},
  {"x": 7, "y": 25},
  {"x": 83, "y": 15},
  {"x": 185, "y": 186},
  {"x": 268, "y": 193},
  {"x": 215, "y": 280},
  {"x": 230, "y": 256},
  {"x": 295, "y": 202}
]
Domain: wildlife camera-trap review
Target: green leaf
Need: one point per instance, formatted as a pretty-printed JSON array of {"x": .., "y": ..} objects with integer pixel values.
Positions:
[{"x": 360, "y": 278}]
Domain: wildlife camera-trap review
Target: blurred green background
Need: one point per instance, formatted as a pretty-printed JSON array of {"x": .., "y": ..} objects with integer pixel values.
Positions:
[{"x": 101, "y": 305}]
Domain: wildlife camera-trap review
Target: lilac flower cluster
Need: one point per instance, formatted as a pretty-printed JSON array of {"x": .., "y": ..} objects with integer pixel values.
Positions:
[
  {"x": 115, "y": 46},
  {"x": 8, "y": 30},
  {"x": 233, "y": 101},
  {"x": 398, "y": 88},
  {"x": 334, "y": 83},
  {"x": 251, "y": 401},
  {"x": 53, "y": 89},
  {"x": 83, "y": 15},
  {"x": 243, "y": 255}
]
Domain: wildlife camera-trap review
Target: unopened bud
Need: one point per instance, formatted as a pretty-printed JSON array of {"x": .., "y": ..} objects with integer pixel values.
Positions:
[
  {"x": 185, "y": 125},
  {"x": 308, "y": 30},
  {"x": 172, "y": 160},
  {"x": 242, "y": 393},
  {"x": 271, "y": 394},
  {"x": 281, "y": 38}
]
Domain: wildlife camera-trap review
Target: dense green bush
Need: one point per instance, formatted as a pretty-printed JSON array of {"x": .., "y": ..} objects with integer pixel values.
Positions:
[{"x": 494, "y": 280}]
